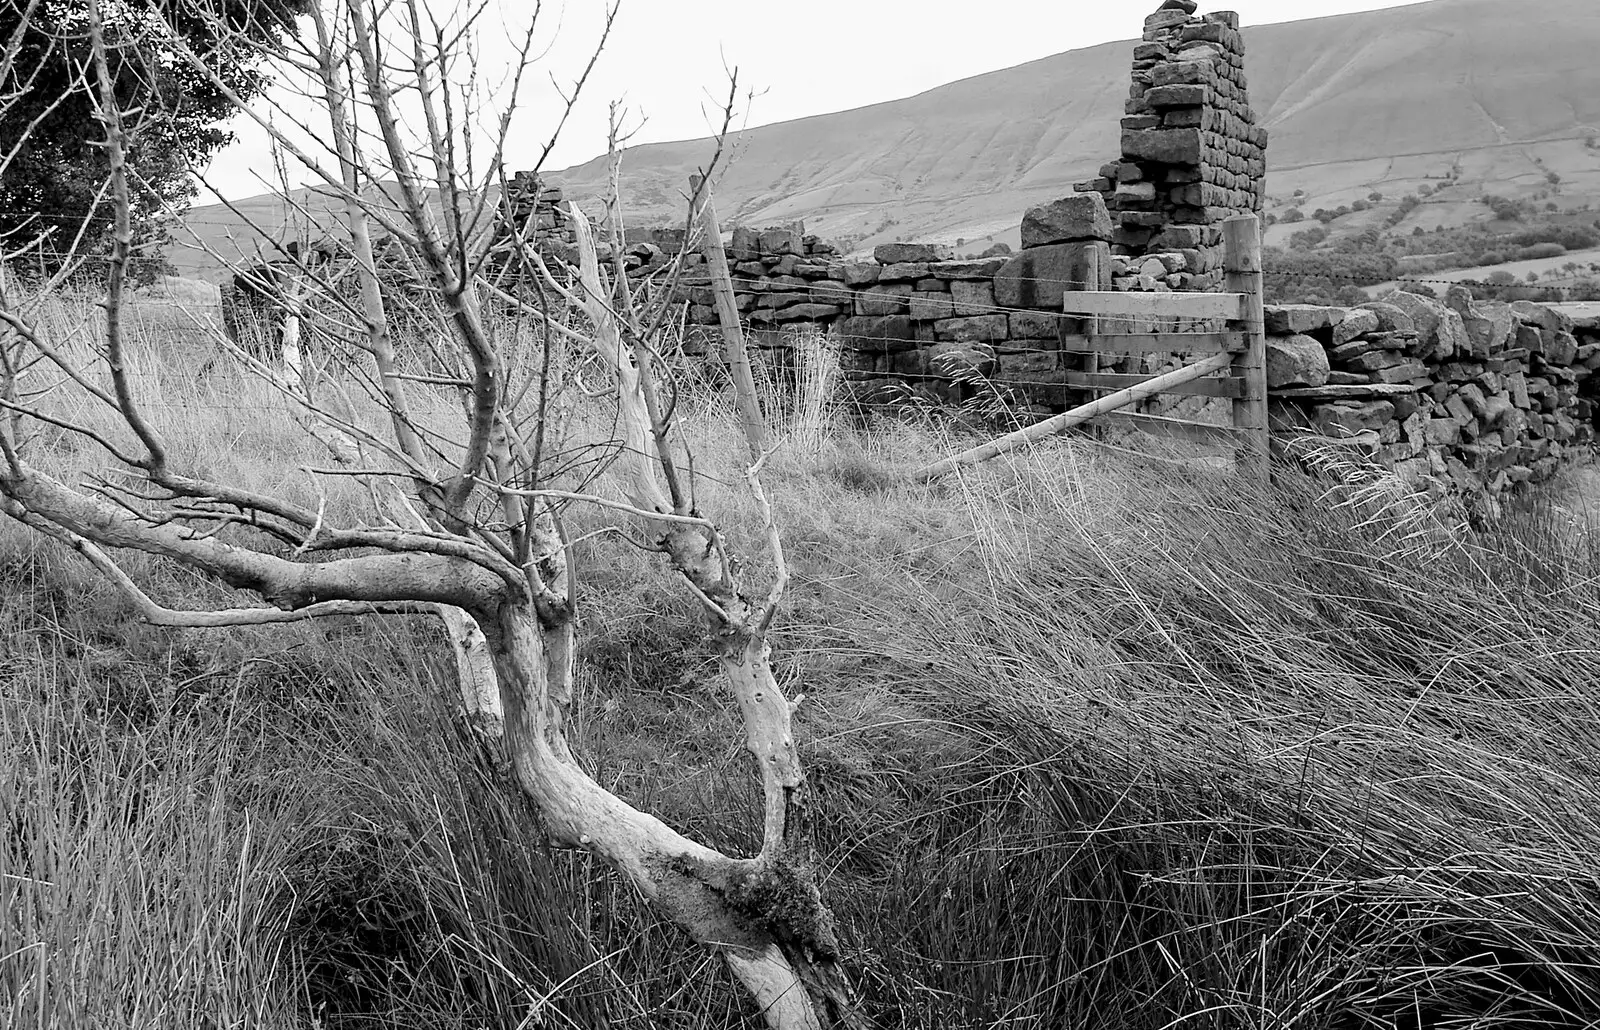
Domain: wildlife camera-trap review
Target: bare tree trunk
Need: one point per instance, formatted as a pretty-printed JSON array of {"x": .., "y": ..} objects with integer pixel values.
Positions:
[
  {"x": 460, "y": 517},
  {"x": 763, "y": 915}
]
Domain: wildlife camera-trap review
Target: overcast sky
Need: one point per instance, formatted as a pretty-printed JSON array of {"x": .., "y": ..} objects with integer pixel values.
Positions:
[{"x": 666, "y": 58}]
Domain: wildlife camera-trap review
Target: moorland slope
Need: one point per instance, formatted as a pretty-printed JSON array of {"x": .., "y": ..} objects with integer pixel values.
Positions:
[{"x": 1494, "y": 95}]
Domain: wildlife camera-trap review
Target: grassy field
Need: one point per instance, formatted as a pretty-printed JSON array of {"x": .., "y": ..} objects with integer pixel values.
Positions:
[{"x": 1099, "y": 740}]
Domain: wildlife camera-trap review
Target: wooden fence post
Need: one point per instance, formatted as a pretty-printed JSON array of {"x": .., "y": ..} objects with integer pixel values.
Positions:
[
  {"x": 744, "y": 383},
  {"x": 1242, "y": 262}
]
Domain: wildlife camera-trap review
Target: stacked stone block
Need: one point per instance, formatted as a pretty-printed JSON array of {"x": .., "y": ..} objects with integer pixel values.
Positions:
[
  {"x": 1192, "y": 154},
  {"x": 528, "y": 200},
  {"x": 1479, "y": 396}
]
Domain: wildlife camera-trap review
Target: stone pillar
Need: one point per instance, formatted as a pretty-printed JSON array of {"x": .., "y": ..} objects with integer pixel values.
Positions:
[
  {"x": 531, "y": 199},
  {"x": 1192, "y": 155}
]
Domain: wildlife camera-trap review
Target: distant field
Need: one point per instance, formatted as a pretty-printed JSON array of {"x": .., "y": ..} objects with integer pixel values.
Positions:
[{"x": 1589, "y": 259}]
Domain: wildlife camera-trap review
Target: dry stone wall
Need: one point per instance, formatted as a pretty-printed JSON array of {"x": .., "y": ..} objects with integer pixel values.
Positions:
[
  {"x": 910, "y": 318},
  {"x": 1478, "y": 397},
  {"x": 914, "y": 318},
  {"x": 1472, "y": 397}
]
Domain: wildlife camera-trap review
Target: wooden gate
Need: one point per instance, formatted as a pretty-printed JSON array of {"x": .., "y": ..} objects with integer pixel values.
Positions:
[{"x": 1135, "y": 323}]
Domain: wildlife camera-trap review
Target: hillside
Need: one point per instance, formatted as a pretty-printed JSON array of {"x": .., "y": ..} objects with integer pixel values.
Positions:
[{"x": 1500, "y": 93}]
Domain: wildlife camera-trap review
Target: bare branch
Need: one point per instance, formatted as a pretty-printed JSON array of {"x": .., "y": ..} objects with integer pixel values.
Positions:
[
  {"x": 290, "y": 585},
  {"x": 122, "y": 239},
  {"x": 159, "y": 615}
]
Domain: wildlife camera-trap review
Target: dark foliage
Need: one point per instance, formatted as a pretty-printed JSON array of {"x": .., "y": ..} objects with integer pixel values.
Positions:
[{"x": 50, "y": 190}]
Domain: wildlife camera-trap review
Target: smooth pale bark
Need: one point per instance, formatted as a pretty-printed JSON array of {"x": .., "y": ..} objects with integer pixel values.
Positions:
[
  {"x": 784, "y": 949},
  {"x": 475, "y": 676},
  {"x": 510, "y": 609}
]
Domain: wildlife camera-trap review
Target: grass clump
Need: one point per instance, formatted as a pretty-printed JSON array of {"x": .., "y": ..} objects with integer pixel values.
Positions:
[
  {"x": 1093, "y": 740},
  {"x": 1249, "y": 759}
]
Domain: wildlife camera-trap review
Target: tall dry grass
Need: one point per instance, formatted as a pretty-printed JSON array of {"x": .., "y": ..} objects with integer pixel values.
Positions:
[{"x": 1096, "y": 741}]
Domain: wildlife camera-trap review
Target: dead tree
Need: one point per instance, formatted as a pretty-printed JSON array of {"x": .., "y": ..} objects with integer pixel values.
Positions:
[{"x": 462, "y": 514}]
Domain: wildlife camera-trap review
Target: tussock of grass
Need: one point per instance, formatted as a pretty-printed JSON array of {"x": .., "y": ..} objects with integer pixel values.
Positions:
[
  {"x": 1094, "y": 741},
  {"x": 1291, "y": 771}
]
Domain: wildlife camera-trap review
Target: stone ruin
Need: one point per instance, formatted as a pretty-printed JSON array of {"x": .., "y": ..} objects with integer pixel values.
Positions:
[
  {"x": 1192, "y": 153},
  {"x": 1473, "y": 397},
  {"x": 538, "y": 210}
]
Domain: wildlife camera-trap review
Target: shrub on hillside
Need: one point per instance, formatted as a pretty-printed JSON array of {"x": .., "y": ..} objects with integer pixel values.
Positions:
[
  {"x": 1306, "y": 239},
  {"x": 1324, "y": 276},
  {"x": 1540, "y": 250}
]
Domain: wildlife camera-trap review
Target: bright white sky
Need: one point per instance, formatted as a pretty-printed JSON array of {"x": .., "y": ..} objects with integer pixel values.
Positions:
[{"x": 666, "y": 57}]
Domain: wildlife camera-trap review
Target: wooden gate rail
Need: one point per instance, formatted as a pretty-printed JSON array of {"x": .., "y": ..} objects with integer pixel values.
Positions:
[
  {"x": 1058, "y": 424},
  {"x": 1146, "y": 306},
  {"x": 1152, "y": 343},
  {"x": 1104, "y": 318}
]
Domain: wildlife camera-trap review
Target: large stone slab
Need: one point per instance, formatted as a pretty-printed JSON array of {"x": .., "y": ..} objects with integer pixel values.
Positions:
[
  {"x": 1038, "y": 278},
  {"x": 1391, "y": 319},
  {"x": 1345, "y": 419},
  {"x": 972, "y": 298},
  {"x": 1442, "y": 332},
  {"x": 1542, "y": 315},
  {"x": 1560, "y": 348},
  {"x": 1034, "y": 325},
  {"x": 1168, "y": 146},
  {"x": 1163, "y": 20},
  {"x": 903, "y": 253},
  {"x": 884, "y": 300},
  {"x": 976, "y": 329},
  {"x": 1301, "y": 318},
  {"x": 746, "y": 244},
  {"x": 1583, "y": 314},
  {"x": 830, "y": 292},
  {"x": 1490, "y": 324},
  {"x": 905, "y": 272},
  {"x": 809, "y": 312},
  {"x": 1177, "y": 96},
  {"x": 1354, "y": 325},
  {"x": 1295, "y": 361},
  {"x": 1082, "y": 216},
  {"x": 877, "y": 335},
  {"x": 781, "y": 241},
  {"x": 961, "y": 359},
  {"x": 855, "y": 273},
  {"x": 1176, "y": 72},
  {"x": 979, "y": 269},
  {"x": 1351, "y": 392},
  {"x": 1401, "y": 373},
  {"x": 928, "y": 307}
]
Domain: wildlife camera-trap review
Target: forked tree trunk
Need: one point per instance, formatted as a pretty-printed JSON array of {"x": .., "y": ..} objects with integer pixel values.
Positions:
[
  {"x": 480, "y": 695},
  {"x": 763, "y": 915}
]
